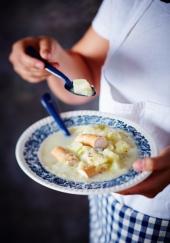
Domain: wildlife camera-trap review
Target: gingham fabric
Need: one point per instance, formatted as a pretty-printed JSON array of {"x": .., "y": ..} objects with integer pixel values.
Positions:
[{"x": 111, "y": 221}]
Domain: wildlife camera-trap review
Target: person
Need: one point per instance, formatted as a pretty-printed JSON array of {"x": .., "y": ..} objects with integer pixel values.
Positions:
[{"x": 126, "y": 55}]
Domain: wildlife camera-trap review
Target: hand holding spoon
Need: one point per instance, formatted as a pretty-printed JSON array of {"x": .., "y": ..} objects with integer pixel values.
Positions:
[{"x": 79, "y": 87}]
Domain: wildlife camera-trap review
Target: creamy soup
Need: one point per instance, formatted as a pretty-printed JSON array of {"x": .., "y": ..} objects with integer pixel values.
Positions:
[{"x": 118, "y": 154}]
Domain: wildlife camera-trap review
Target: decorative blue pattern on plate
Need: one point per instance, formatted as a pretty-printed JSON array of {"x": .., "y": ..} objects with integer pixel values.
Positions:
[{"x": 33, "y": 142}]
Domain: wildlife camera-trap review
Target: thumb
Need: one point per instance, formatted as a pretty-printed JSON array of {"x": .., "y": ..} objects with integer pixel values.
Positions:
[
  {"x": 160, "y": 162},
  {"x": 45, "y": 48},
  {"x": 48, "y": 51},
  {"x": 145, "y": 164}
]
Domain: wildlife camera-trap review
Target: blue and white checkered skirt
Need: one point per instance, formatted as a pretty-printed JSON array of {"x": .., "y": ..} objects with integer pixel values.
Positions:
[{"x": 111, "y": 221}]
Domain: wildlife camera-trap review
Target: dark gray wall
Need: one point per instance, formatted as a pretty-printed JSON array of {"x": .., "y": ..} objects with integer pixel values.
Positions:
[{"x": 29, "y": 211}]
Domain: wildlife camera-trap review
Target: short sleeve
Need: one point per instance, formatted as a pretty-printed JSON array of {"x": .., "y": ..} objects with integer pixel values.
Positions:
[{"x": 102, "y": 21}]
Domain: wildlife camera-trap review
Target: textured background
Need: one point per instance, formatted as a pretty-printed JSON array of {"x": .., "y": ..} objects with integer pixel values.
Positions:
[{"x": 29, "y": 211}]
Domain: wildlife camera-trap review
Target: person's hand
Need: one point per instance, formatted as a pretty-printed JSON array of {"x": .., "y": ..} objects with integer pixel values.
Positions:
[
  {"x": 159, "y": 178},
  {"x": 29, "y": 68}
]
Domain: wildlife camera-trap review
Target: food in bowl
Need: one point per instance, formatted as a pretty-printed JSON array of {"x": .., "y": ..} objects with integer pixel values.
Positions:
[{"x": 91, "y": 153}]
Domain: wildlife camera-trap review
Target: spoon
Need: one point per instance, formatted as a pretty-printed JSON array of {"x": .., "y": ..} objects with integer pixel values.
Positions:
[
  {"x": 47, "y": 103},
  {"x": 48, "y": 67}
]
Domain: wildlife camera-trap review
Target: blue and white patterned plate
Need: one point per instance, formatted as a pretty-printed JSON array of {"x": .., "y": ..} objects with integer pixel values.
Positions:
[{"x": 30, "y": 141}]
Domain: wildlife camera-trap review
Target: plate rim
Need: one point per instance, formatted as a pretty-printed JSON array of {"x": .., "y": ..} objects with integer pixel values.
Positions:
[{"x": 27, "y": 170}]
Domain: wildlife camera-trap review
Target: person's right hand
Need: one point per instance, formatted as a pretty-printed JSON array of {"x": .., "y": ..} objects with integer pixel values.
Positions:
[{"x": 29, "y": 68}]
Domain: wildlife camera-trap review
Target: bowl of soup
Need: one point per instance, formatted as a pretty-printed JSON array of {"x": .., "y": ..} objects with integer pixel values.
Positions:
[{"x": 96, "y": 158}]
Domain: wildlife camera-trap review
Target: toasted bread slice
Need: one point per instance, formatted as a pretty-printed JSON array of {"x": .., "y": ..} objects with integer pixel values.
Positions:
[{"x": 65, "y": 156}]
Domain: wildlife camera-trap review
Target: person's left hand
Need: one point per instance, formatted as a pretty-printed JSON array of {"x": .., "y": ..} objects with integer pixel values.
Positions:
[{"x": 159, "y": 178}]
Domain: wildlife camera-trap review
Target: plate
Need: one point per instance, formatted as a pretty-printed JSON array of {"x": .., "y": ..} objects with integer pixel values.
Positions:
[{"x": 30, "y": 141}]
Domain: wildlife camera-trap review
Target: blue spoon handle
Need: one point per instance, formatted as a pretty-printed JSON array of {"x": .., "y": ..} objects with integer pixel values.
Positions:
[
  {"x": 48, "y": 105},
  {"x": 32, "y": 52}
]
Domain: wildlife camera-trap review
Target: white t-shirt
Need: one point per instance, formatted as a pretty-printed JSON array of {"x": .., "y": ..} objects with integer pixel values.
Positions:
[{"x": 136, "y": 77}]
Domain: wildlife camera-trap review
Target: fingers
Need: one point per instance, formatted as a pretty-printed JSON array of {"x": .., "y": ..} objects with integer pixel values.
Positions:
[
  {"x": 29, "y": 68},
  {"x": 32, "y": 75},
  {"x": 30, "y": 62},
  {"x": 18, "y": 55}
]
